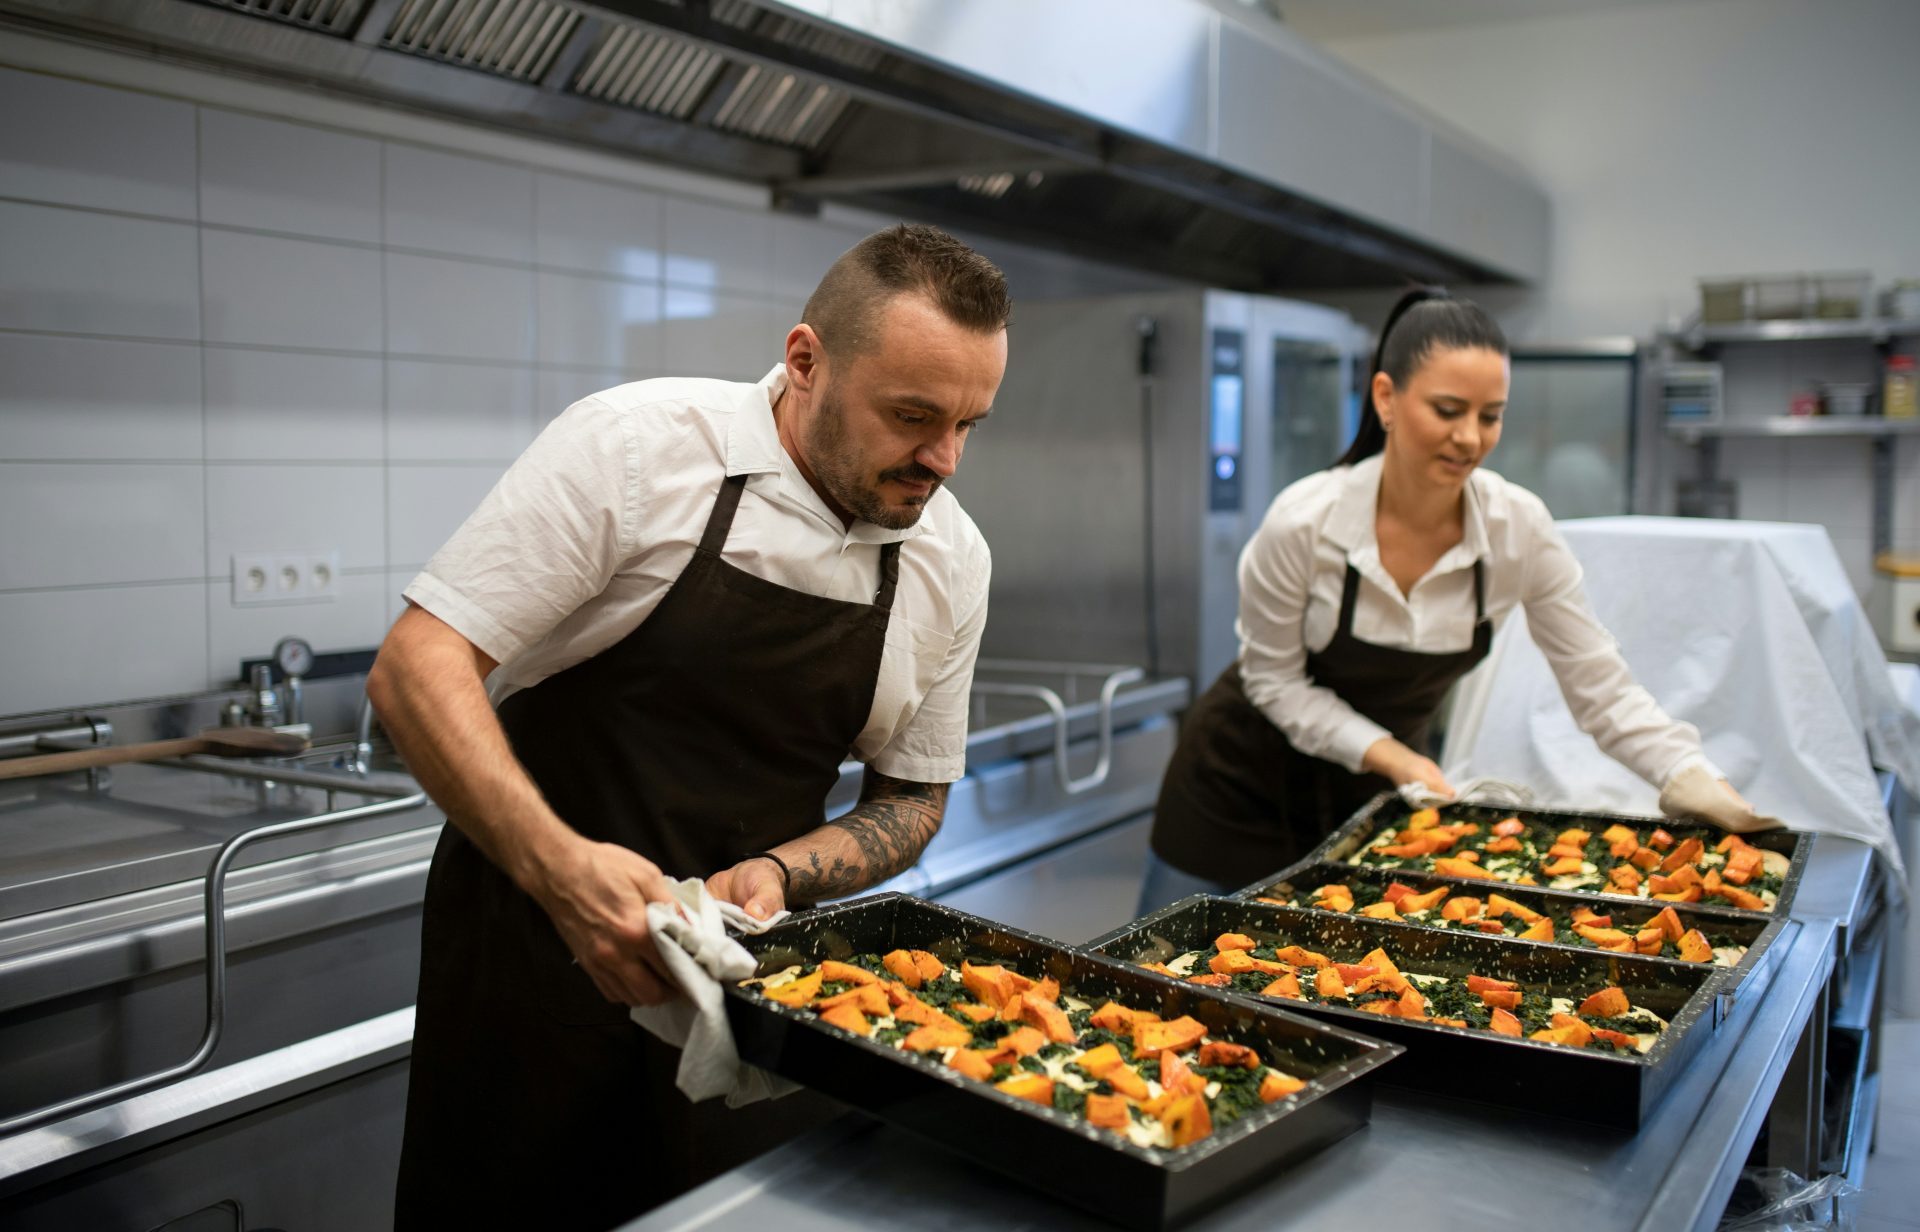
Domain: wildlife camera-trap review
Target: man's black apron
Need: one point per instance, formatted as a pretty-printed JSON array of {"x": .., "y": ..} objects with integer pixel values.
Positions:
[
  {"x": 1239, "y": 801},
  {"x": 715, "y": 729}
]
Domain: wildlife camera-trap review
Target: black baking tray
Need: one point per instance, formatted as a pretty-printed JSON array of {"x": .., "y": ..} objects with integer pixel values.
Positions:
[
  {"x": 1134, "y": 1186},
  {"x": 1388, "y": 810},
  {"x": 1746, "y": 928},
  {"x": 1579, "y": 1083}
]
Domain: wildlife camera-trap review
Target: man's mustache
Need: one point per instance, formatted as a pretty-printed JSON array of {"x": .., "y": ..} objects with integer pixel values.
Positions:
[{"x": 913, "y": 472}]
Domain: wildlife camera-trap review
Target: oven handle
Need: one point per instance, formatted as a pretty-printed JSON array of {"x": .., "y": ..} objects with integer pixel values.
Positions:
[
  {"x": 216, "y": 944},
  {"x": 1062, "y": 773}
]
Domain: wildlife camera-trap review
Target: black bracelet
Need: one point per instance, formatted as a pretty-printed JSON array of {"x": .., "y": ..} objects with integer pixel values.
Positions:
[{"x": 786, "y": 874}]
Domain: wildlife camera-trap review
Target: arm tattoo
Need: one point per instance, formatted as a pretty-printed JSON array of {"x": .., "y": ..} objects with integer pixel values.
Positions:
[{"x": 878, "y": 838}]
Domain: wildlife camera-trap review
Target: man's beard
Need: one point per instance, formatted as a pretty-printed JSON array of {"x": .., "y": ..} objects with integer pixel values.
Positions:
[{"x": 838, "y": 470}]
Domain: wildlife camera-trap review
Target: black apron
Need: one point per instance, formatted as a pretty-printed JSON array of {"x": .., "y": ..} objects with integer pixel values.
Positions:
[
  {"x": 715, "y": 729},
  {"x": 1239, "y": 801}
]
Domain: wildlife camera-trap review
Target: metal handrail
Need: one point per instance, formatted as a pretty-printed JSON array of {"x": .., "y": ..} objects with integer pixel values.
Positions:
[
  {"x": 1116, "y": 675},
  {"x": 216, "y": 939}
]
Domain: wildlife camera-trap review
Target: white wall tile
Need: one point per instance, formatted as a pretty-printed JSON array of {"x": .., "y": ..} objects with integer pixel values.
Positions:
[
  {"x": 68, "y": 270},
  {"x": 1759, "y": 467},
  {"x": 474, "y": 207},
  {"x": 596, "y": 227},
  {"x": 458, "y": 412},
  {"x": 459, "y": 309},
  {"x": 270, "y": 291},
  {"x": 1830, "y": 483},
  {"x": 394, "y": 583},
  {"x": 139, "y": 522},
  {"x": 1856, "y": 555},
  {"x": 287, "y": 508},
  {"x": 275, "y": 176},
  {"x": 82, "y": 144},
  {"x": 291, "y": 406},
  {"x": 356, "y": 619},
  {"x": 429, "y": 503},
  {"x": 803, "y": 248},
  {"x": 714, "y": 333},
  {"x": 556, "y": 389},
  {"x": 88, "y": 398},
  {"x": 84, "y": 647},
  {"x": 601, "y": 323},
  {"x": 718, "y": 246}
]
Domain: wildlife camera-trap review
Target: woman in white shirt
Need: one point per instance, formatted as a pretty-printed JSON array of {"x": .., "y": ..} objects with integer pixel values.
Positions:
[{"x": 1368, "y": 590}]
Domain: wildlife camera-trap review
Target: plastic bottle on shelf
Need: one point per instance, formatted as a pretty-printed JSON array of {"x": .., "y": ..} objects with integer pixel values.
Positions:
[{"x": 1900, "y": 399}]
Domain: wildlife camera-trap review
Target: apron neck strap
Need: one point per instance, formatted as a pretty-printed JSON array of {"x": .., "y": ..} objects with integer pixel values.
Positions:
[
  {"x": 720, "y": 521},
  {"x": 1479, "y": 590},
  {"x": 1349, "y": 596}
]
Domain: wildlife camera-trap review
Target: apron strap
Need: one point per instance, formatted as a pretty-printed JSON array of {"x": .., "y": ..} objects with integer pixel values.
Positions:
[
  {"x": 889, "y": 575},
  {"x": 1349, "y": 595},
  {"x": 1479, "y": 590},
  {"x": 720, "y": 521}
]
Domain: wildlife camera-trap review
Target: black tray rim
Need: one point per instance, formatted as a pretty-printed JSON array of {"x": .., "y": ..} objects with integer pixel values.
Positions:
[
  {"x": 1737, "y": 974},
  {"x": 1698, "y": 1006},
  {"x": 1802, "y": 846},
  {"x": 1374, "y": 1052}
]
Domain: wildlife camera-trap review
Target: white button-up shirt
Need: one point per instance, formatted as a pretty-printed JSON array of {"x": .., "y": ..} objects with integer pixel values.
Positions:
[
  {"x": 1291, "y": 577},
  {"x": 585, "y": 533}
]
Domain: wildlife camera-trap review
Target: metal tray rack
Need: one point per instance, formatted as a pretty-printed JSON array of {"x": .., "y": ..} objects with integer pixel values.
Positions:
[
  {"x": 1137, "y": 1187},
  {"x": 1745, "y": 928},
  {"x": 1583, "y": 1084},
  {"x": 1388, "y": 809}
]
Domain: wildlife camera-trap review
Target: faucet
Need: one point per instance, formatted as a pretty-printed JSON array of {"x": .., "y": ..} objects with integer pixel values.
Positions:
[
  {"x": 265, "y": 710},
  {"x": 362, "y": 762}
]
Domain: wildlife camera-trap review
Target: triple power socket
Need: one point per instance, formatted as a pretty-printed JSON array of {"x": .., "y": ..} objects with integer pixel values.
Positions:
[{"x": 261, "y": 578}]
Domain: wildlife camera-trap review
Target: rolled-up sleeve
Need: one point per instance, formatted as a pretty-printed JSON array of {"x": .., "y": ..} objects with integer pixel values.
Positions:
[
  {"x": 932, "y": 747},
  {"x": 546, "y": 539},
  {"x": 1599, "y": 688},
  {"x": 1276, "y": 577}
]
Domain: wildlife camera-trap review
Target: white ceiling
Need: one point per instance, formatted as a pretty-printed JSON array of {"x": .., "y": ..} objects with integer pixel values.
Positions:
[{"x": 1325, "y": 20}]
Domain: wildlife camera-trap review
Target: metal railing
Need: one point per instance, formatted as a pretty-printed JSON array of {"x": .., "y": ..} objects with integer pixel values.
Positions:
[{"x": 1114, "y": 677}]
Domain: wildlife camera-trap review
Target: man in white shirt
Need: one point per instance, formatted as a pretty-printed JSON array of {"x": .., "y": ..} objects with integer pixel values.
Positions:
[{"x": 693, "y": 598}]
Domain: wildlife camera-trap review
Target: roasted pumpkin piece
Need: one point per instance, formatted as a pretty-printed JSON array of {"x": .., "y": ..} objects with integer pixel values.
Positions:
[
  {"x": 1294, "y": 956},
  {"x": 1587, "y": 915},
  {"x": 1691, "y": 894},
  {"x": 1625, "y": 878},
  {"x": 846, "y": 973},
  {"x": 1615, "y": 1037},
  {"x": 1491, "y": 926},
  {"x": 1557, "y": 1035},
  {"x": 1127, "y": 1082},
  {"x": 1461, "y": 907},
  {"x": 921, "y": 1014},
  {"x": 796, "y": 992},
  {"x": 1574, "y": 837},
  {"x": 1660, "y": 840},
  {"x": 1388, "y": 973},
  {"x": 1423, "y": 902},
  {"x": 978, "y": 1013},
  {"x": 1047, "y": 1016},
  {"x": 901, "y": 964},
  {"x": 1500, "y": 846},
  {"x": 848, "y": 1018},
  {"x": 1650, "y": 940},
  {"x": 1047, "y": 990},
  {"x": 1036, "y": 1087},
  {"x": 973, "y": 1063},
  {"x": 1114, "y": 1017},
  {"x": 1565, "y": 851},
  {"x": 1505, "y": 1023},
  {"x": 1097, "y": 1061},
  {"x": 1276, "y": 1085},
  {"x": 1731, "y": 842},
  {"x": 1668, "y": 921},
  {"x": 1623, "y": 848},
  {"x": 1219, "y": 1052},
  {"x": 1500, "y": 904},
  {"x": 1539, "y": 930},
  {"x": 1747, "y": 859},
  {"x": 1353, "y": 973},
  {"x": 1176, "y": 1076},
  {"x": 1742, "y": 898},
  {"x": 1461, "y": 867},
  {"x": 1163, "y": 969},
  {"x": 1329, "y": 984},
  {"x": 1423, "y": 819},
  {"x": 1412, "y": 1004},
  {"x": 1014, "y": 1007},
  {"x": 1153, "y": 1038},
  {"x": 1565, "y": 866},
  {"x": 1610, "y": 1002},
  {"x": 1395, "y": 891},
  {"x": 1602, "y": 936},
  {"x": 1187, "y": 1120},
  {"x": 1287, "y": 985},
  {"x": 988, "y": 985},
  {"x": 1486, "y": 983},
  {"x": 1211, "y": 980},
  {"x": 1509, "y": 827},
  {"x": 1108, "y": 1112},
  {"x": 1646, "y": 859},
  {"x": 1332, "y": 898},
  {"x": 867, "y": 998},
  {"x": 1738, "y": 876},
  {"x": 1501, "y": 998},
  {"x": 1579, "y": 1034},
  {"x": 1380, "y": 911},
  {"x": 936, "y": 1037},
  {"x": 1233, "y": 941},
  {"x": 1685, "y": 853},
  {"x": 929, "y": 966},
  {"x": 1616, "y": 832}
]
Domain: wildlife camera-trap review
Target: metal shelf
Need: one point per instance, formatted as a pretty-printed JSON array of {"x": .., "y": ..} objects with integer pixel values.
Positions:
[
  {"x": 1799, "y": 425},
  {"x": 1867, "y": 329}
]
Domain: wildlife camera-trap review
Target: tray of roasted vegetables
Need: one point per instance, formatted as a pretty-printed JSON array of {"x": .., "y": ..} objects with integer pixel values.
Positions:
[
  {"x": 1645, "y": 858},
  {"x": 1140, "y": 1100},
  {"x": 1580, "y": 1033},
  {"x": 1677, "y": 932}
]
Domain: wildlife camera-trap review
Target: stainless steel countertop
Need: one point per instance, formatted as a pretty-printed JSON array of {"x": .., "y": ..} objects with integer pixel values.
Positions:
[{"x": 1472, "y": 1167}]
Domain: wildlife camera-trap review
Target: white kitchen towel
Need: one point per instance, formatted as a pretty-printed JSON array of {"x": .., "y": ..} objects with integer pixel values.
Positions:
[{"x": 691, "y": 936}]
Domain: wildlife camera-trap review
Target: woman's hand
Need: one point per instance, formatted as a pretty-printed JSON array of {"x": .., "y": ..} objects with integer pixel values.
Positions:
[
  {"x": 1399, "y": 764},
  {"x": 1694, "y": 794}
]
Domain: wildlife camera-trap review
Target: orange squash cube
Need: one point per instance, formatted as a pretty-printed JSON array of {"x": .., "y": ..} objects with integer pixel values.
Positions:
[{"x": 1035, "y": 1087}]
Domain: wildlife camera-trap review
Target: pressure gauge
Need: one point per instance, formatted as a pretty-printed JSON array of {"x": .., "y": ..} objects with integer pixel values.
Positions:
[{"x": 293, "y": 656}]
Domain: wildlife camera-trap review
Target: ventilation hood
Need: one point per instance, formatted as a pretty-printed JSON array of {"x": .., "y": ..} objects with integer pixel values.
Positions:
[{"x": 1172, "y": 135}]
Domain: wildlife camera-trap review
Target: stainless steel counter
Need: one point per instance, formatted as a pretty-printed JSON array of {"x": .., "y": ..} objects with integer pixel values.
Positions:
[{"x": 1472, "y": 1167}]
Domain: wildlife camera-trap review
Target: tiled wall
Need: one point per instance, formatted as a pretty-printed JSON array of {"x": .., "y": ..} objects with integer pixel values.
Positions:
[{"x": 225, "y": 333}]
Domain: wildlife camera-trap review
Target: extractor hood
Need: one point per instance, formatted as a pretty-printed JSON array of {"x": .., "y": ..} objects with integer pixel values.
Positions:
[{"x": 1170, "y": 135}]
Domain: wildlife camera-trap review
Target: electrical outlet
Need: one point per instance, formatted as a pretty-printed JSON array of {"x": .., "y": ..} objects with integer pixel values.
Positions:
[{"x": 285, "y": 577}]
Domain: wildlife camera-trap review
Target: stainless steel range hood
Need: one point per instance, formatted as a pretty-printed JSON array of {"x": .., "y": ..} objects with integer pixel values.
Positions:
[{"x": 1164, "y": 134}]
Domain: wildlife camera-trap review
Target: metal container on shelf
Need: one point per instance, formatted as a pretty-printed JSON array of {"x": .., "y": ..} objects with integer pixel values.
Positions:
[
  {"x": 1901, "y": 301},
  {"x": 1846, "y": 397},
  {"x": 1781, "y": 297},
  {"x": 1723, "y": 301},
  {"x": 1843, "y": 296}
]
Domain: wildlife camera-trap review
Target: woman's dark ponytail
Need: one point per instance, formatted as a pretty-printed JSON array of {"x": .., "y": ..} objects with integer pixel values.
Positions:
[{"x": 1440, "y": 320}]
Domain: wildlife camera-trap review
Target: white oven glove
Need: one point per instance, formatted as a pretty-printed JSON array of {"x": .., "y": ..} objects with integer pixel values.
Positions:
[
  {"x": 1694, "y": 794},
  {"x": 693, "y": 942},
  {"x": 1497, "y": 792}
]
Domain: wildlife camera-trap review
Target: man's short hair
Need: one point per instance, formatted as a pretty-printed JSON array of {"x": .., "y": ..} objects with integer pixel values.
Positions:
[{"x": 969, "y": 290}]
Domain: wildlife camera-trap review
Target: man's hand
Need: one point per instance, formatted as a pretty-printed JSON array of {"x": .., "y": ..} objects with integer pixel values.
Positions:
[
  {"x": 755, "y": 884},
  {"x": 1400, "y": 765},
  {"x": 597, "y": 896}
]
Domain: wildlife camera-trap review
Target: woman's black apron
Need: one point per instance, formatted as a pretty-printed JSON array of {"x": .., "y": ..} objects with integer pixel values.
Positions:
[
  {"x": 1239, "y": 801},
  {"x": 715, "y": 729}
]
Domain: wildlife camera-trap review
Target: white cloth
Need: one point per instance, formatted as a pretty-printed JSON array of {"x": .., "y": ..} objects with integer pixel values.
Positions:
[
  {"x": 699, "y": 953},
  {"x": 1293, "y": 570},
  {"x": 1749, "y": 629},
  {"x": 585, "y": 533}
]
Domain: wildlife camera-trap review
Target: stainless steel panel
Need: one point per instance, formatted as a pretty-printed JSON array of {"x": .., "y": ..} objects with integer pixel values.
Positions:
[
  {"x": 1071, "y": 893},
  {"x": 1481, "y": 205}
]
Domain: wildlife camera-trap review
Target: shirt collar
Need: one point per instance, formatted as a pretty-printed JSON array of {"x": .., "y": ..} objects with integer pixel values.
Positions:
[
  {"x": 1351, "y": 523},
  {"x": 754, "y": 448}
]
